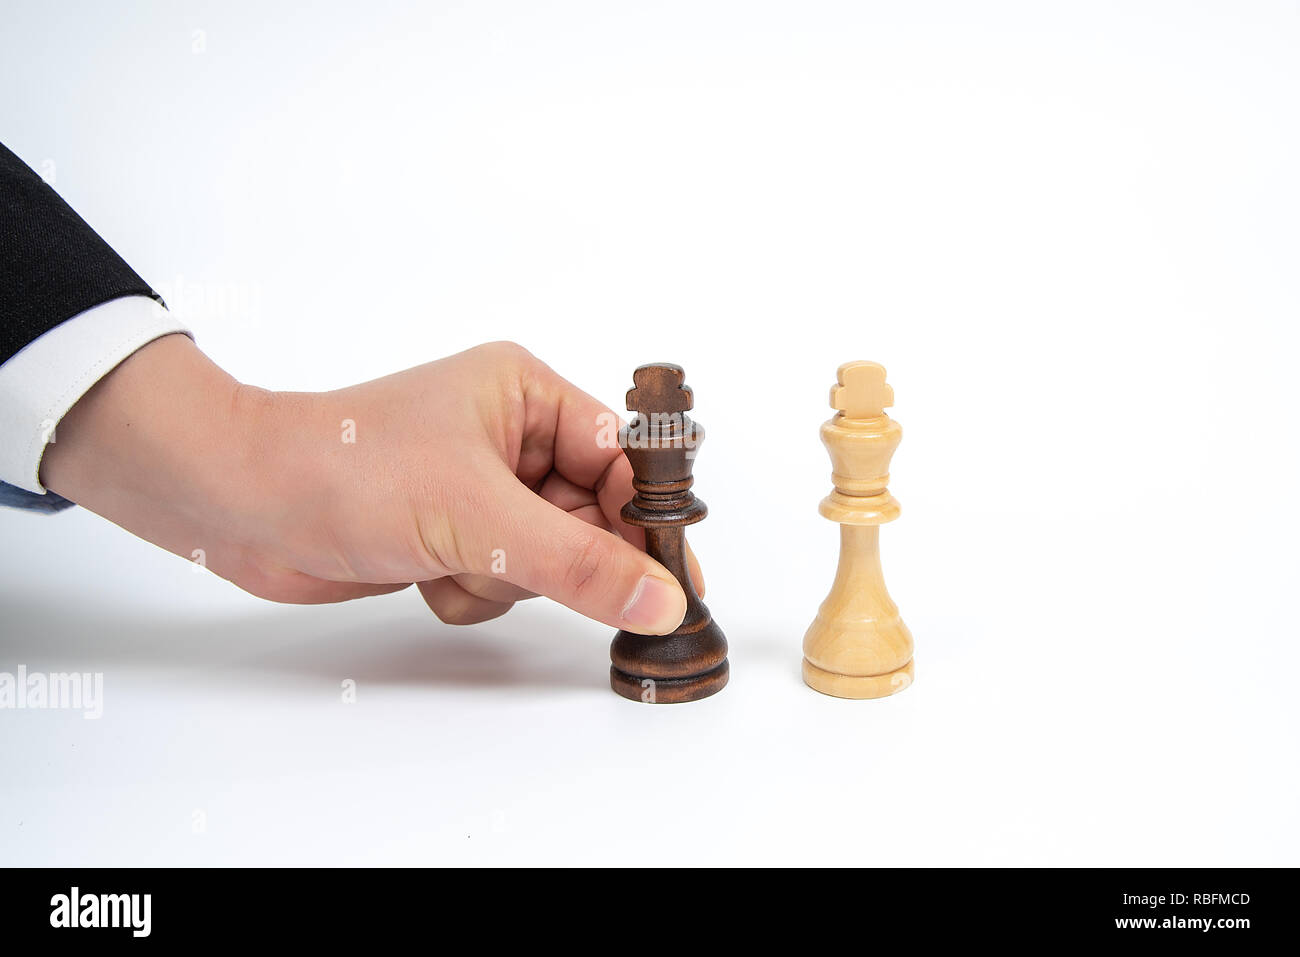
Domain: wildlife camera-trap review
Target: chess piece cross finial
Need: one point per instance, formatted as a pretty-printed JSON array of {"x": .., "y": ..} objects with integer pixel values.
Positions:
[
  {"x": 862, "y": 392},
  {"x": 660, "y": 388}
]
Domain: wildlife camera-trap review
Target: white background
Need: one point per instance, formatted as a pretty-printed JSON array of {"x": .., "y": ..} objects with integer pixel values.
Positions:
[{"x": 1069, "y": 232}]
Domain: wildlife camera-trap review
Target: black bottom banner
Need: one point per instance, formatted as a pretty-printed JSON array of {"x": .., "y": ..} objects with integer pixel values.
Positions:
[{"x": 655, "y": 909}]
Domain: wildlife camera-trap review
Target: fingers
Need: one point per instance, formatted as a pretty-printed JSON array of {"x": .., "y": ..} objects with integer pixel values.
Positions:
[
  {"x": 548, "y": 551},
  {"x": 614, "y": 490},
  {"x": 570, "y": 434},
  {"x": 296, "y": 588},
  {"x": 567, "y": 556},
  {"x": 574, "y": 499},
  {"x": 693, "y": 565},
  {"x": 583, "y": 503},
  {"x": 587, "y": 505},
  {"x": 584, "y": 432},
  {"x": 492, "y": 587},
  {"x": 456, "y": 606}
]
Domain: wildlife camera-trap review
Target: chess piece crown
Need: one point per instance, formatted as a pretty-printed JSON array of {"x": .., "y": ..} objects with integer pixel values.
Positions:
[{"x": 660, "y": 443}]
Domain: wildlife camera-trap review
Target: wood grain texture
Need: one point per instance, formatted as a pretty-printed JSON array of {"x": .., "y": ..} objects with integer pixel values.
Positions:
[
  {"x": 661, "y": 442},
  {"x": 858, "y": 645}
]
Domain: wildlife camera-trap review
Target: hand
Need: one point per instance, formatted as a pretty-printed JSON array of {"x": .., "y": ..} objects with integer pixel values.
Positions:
[{"x": 478, "y": 476}]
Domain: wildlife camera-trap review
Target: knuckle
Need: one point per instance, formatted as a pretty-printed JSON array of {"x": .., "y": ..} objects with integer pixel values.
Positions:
[
  {"x": 508, "y": 350},
  {"x": 457, "y": 614},
  {"x": 280, "y": 587},
  {"x": 452, "y": 607},
  {"x": 466, "y": 610}
]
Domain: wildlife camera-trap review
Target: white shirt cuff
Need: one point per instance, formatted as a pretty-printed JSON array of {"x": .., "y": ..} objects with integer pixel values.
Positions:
[{"x": 44, "y": 379}]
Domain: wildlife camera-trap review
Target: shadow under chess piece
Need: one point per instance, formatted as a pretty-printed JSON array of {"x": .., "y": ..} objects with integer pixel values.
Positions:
[
  {"x": 858, "y": 646},
  {"x": 661, "y": 441}
]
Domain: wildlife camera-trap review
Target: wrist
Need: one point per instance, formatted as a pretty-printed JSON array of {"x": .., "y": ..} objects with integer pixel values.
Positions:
[{"x": 165, "y": 445}]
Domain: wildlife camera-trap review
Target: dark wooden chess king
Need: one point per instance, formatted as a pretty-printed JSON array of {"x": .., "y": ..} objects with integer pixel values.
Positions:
[{"x": 661, "y": 441}]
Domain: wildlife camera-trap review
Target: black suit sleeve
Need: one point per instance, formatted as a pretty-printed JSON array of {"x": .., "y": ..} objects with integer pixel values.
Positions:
[{"x": 52, "y": 265}]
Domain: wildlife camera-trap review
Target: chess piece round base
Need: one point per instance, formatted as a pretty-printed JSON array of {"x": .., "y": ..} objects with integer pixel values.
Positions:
[
  {"x": 687, "y": 665},
  {"x": 857, "y": 686},
  {"x": 669, "y": 690}
]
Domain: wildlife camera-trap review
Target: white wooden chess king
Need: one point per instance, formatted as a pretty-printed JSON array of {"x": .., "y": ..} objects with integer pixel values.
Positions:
[{"x": 858, "y": 646}]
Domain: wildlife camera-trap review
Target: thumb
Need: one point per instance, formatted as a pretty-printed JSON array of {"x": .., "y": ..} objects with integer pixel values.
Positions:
[{"x": 594, "y": 572}]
